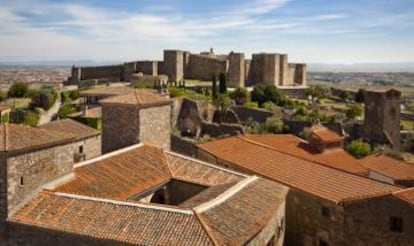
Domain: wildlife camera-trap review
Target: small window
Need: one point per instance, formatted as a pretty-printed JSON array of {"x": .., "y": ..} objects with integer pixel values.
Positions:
[
  {"x": 323, "y": 243},
  {"x": 21, "y": 181},
  {"x": 326, "y": 212},
  {"x": 81, "y": 149},
  {"x": 396, "y": 224}
]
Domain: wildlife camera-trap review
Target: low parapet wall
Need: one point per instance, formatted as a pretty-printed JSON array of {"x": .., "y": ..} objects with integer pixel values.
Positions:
[{"x": 108, "y": 72}]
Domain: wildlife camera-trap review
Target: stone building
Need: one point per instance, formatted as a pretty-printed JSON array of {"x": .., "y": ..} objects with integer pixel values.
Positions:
[
  {"x": 94, "y": 95},
  {"x": 382, "y": 116},
  {"x": 178, "y": 65},
  {"x": 30, "y": 157},
  {"x": 325, "y": 206},
  {"x": 87, "y": 142},
  {"x": 139, "y": 116},
  {"x": 144, "y": 195}
]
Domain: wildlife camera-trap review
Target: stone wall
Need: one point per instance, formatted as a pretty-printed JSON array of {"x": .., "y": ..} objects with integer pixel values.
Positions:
[
  {"x": 185, "y": 146},
  {"x": 300, "y": 74},
  {"x": 147, "y": 67},
  {"x": 246, "y": 114},
  {"x": 203, "y": 68},
  {"x": 368, "y": 222},
  {"x": 236, "y": 73},
  {"x": 92, "y": 147},
  {"x": 173, "y": 64},
  {"x": 382, "y": 117},
  {"x": 218, "y": 130},
  {"x": 128, "y": 70},
  {"x": 28, "y": 172},
  {"x": 113, "y": 72},
  {"x": 155, "y": 126},
  {"x": 120, "y": 126}
]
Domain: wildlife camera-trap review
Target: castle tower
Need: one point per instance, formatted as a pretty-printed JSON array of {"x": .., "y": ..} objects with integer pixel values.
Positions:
[
  {"x": 382, "y": 116},
  {"x": 300, "y": 74},
  {"x": 140, "y": 116},
  {"x": 265, "y": 69},
  {"x": 174, "y": 64},
  {"x": 283, "y": 70},
  {"x": 236, "y": 72}
]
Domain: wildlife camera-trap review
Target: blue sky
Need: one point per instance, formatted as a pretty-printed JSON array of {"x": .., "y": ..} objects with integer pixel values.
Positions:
[{"x": 327, "y": 31}]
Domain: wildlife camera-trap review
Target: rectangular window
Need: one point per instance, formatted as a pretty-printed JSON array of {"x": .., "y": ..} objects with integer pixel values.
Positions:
[
  {"x": 396, "y": 224},
  {"x": 81, "y": 149},
  {"x": 325, "y": 212}
]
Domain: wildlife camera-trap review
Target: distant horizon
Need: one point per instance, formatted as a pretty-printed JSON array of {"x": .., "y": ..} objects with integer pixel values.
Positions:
[{"x": 319, "y": 31}]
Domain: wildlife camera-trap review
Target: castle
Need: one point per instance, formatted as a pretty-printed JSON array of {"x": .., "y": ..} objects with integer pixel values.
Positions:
[{"x": 178, "y": 65}]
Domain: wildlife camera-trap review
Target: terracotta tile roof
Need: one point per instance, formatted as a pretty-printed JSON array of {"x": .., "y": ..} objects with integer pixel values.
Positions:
[
  {"x": 244, "y": 214},
  {"x": 123, "y": 223},
  {"x": 90, "y": 113},
  {"x": 406, "y": 195},
  {"x": 120, "y": 176},
  {"x": 324, "y": 182},
  {"x": 292, "y": 145},
  {"x": 107, "y": 91},
  {"x": 72, "y": 127},
  {"x": 140, "y": 97},
  {"x": 15, "y": 137},
  {"x": 199, "y": 172},
  {"x": 325, "y": 134},
  {"x": 388, "y": 166},
  {"x": 93, "y": 203}
]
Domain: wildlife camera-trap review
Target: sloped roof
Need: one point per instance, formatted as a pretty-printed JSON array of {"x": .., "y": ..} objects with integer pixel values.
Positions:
[
  {"x": 232, "y": 224},
  {"x": 14, "y": 137},
  {"x": 324, "y": 182},
  {"x": 107, "y": 91},
  {"x": 103, "y": 186},
  {"x": 388, "y": 166},
  {"x": 406, "y": 195},
  {"x": 140, "y": 97},
  {"x": 120, "y": 176},
  {"x": 75, "y": 128},
  {"x": 121, "y": 222},
  {"x": 292, "y": 145},
  {"x": 93, "y": 113},
  {"x": 325, "y": 134}
]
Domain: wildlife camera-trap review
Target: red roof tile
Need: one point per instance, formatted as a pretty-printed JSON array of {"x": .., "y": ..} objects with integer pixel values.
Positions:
[
  {"x": 72, "y": 127},
  {"x": 325, "y": 134},
  {"x": 406, "y": 195},
  {"x": 15, "y": 137},
  {"x": 292, "y": 145},
  {"x": 324, "y": 182},
  {"x": 388, "y": 166}
]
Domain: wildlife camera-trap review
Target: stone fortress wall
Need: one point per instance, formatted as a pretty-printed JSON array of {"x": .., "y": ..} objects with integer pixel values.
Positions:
[{"x": 265, "y": 68}]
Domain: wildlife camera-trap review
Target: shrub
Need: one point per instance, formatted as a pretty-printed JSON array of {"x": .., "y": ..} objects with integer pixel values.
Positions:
[
  {"x": 2, "y": 96},
  {"x": 223, "y": 103},
  {"x": 45, "y": 99},
  {"x": 358, "y": 148},
  {"x": 273, "y": 125},
  {"x": 240, "y": 95},
  {"x": 354, "y": 111},
  {"x": 359, "y": 96},
  {"x": 264, "y": 93},
  {"x": 31, "y": 117},
  {"x": 18, "y": 90},
  {"x": 272, "y": 108},
  {"x": 65, "y": 110},
  {"x": 318, "y": 91},
  {"x": 251, "y": 104}
]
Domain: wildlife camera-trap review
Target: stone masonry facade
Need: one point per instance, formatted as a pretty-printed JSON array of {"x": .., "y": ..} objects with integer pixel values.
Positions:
[
  {"x": 155, "y": 126},
  {"x": 25, "y": 173},
  {"x": 263, "y": 68}
]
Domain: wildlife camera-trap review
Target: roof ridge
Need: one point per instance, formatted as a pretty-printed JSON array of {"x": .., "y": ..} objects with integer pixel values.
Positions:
[
  {"x": 226, "y": 194},
  {"x": 206, "y": 228},
  {"x": 294, "y": 156}
]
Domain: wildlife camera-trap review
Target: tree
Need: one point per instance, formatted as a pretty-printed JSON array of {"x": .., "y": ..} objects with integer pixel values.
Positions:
[
  {"x": 214, "y": 89},
  {"x": 262, "y": 94},
  {"x": 18, "y": 90},
  {"x": 318, "y": 91},
  {"x": 344, "y": 95},
  {"x": 273, "y": 125},
  {"x": 44, "y": 99},
  {"x": 358, "y": 148},
  {"x": 359, "y": 96},
  {"x": 65, "y": 111},
  {"x": 354, "y": 111},
  {"x": 223, "y": 103},
  {"x": 2, "y": 96},
  {"x": 240, "y": 95},
  {"x": 222, "y": 83},
  {"x": 272, "y": 108}
]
